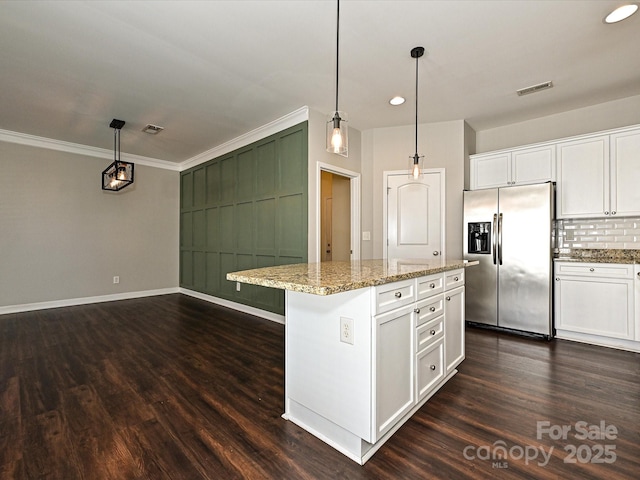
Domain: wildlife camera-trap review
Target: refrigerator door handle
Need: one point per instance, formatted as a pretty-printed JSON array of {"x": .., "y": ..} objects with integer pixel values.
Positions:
[
  {"x": 493, "y": 236},
  {"x": 500, "y": 239}
]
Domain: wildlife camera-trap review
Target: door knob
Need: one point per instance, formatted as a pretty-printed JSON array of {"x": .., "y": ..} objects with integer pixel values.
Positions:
[{"x": 436, "y": 253}]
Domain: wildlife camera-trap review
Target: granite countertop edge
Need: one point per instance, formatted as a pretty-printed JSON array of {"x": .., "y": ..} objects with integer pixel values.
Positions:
[
  {"x": 603, "y": 255},
  {"x": 337, "y": 285}
]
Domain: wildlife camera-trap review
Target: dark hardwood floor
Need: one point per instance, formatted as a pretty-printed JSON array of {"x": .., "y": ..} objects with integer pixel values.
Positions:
[{"x": 174, "y": 387}]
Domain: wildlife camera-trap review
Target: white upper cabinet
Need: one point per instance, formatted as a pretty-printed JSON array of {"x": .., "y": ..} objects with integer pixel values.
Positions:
[
  {"x": 598, "y": 176},
  {"x": 583, "y": 178},
  {"x": 521, "y": 166},
  {"x": 625, "y": 173}
]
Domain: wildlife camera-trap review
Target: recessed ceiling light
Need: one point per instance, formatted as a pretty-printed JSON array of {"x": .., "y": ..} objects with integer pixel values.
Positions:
[
  {"x": 152, "y": 129},
  {"x": 397, "y": 101},
  {"x": 620, "y": 13}
]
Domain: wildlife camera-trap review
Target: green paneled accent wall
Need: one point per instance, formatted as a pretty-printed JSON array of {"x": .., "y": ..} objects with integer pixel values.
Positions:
[{"x": 246, "y": 209}]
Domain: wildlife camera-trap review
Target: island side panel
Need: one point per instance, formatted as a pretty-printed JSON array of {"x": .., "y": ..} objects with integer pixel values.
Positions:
[{"x": 325, "y": 375}]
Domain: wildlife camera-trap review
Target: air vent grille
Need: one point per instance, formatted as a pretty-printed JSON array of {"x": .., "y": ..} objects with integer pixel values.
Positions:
[
  {"x": 152, "y": 129},
  {"x": 534, "y": 88}
]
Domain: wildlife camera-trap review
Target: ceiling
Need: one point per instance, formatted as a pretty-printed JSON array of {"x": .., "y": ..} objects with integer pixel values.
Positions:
[{"x": 211, "y": 71}]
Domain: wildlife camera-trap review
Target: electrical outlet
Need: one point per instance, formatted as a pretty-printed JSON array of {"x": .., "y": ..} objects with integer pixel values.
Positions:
[
  {"x": 346, "y": 330},
  {"x": 116, "y": 279}
]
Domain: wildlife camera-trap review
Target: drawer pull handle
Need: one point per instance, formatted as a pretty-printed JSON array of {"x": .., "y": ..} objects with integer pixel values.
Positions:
[
  {"x": 557, "y": 279},
  {"x": 432, "y": 332},
  {"x": 591, "y": 269},
  {"x": 455, "y": 279},
  {"x": 433, "y": 367},
  {"x": 613, "y": 212},
  {"x": 448, "y": 299},
  {"x": 433, "y": 285},
  {"x": 398, "y": 294},
  {"x": 417, "y": 311},
  {"x": 433, "y": 309}
]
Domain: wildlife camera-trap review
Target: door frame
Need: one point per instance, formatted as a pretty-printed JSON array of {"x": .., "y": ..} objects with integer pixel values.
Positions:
[
  {"x": 385, "y": 181},
  {"x": 354, "y": 195}
]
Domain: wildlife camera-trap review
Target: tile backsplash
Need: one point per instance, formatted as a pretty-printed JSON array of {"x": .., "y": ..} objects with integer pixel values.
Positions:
[{"x": 598, "y": 233}]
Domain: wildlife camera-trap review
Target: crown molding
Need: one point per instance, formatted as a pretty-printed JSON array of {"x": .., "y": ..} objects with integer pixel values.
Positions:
[
  {"x": 62, "y": 146},
  {"x": 289, "y": 120}
]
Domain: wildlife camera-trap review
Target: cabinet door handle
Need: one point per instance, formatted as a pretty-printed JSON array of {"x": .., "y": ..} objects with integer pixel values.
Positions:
[
  {"x": 433, "y": 367},
  {"x": 455, "y": 279},
  {"x": 448, "y": 299},
  {"x": 398, "y": 294},
  {"x": 606, "y": 213},
  {"x": 436, "y": 253},
  {"x": 417, "y": 311},
  {"x": 591, "y": 269},
  {"x": 432, "y": 332},
  {"x": 433, "y": 309},
  {"x": 613, "y": 212},
  {"x": 639, "y": 274},
  {"x": 557, "y": 279},
  {"x": 433, "y": 285}
]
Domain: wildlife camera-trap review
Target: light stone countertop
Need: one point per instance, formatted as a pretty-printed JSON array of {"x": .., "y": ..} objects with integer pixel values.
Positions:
[
  {"x": 327, "y": 278},
  {"x": 604, "y": 255}
]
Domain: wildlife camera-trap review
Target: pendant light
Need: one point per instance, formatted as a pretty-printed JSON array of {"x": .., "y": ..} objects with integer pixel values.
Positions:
[
  {"x": 415, "y": 162},
  {"x": 119, "y": 174},
  {"x": 337, "y": 129}
]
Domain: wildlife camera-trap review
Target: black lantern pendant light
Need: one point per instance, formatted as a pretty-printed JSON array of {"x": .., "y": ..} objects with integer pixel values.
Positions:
[
  {"x": 415, "y": 167},
  {"x": 337, "y": 133},
  {"x": 119, "y": 174}
]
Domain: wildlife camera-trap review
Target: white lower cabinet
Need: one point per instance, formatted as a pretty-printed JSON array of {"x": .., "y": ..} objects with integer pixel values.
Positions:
[
  {"x": 394, "y": 367},
  {"x": 407, "y": 336},
  {"x": 594, "y": 303}
]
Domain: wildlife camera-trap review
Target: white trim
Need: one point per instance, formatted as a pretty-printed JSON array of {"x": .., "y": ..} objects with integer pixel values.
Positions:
[
  {"x": 354, "y": 183},
  {"x": 28, "y": 307},
  {"x": 62, "y": 146},
  {"x": 385, "y": 181},
  {"x": 289, "y": 120},
  {"x": 274, "y": 317}
]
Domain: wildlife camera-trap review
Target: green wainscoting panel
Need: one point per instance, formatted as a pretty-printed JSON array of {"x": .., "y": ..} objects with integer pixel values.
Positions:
[{"x": 245, "y": 209}]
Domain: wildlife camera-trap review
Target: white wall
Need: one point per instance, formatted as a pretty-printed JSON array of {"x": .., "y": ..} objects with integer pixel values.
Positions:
[
  {"x": 384, "y": 149},
  {"x": 318, "y": 153},
  {"x": 64, "y": 238},
  {"x": 603, "y": 116}
]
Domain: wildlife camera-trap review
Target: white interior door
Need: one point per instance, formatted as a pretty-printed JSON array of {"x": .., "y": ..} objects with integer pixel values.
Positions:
[{"x": 414, "y": 216}]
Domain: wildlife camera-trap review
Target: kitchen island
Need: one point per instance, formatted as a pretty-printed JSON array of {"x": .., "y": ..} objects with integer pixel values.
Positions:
[{"x": 367, "y": 343}]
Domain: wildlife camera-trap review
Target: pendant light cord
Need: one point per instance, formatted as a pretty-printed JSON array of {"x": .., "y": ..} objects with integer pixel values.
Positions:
[
  {"x": 417, "y": 57},
  {"x": 337, "y": 50}
]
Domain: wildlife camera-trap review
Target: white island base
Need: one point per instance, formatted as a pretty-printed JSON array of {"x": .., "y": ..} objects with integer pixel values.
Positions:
[{"x": 360, "y": 363}]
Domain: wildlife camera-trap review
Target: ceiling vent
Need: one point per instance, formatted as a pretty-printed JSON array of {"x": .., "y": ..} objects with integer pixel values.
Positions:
[
  {"x": 534, "y": 88},
  {"x": 152, "y": 129}
]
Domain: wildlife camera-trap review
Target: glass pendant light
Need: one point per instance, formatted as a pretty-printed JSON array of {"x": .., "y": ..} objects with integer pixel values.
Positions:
[
  {"x": 119, "y": 174},
  {"x": 415, "y": 162},
  {"x": 337, "y": 129}
]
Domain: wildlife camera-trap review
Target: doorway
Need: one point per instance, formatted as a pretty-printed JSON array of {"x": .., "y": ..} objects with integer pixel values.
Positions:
[{"x": 338, "y": 214}]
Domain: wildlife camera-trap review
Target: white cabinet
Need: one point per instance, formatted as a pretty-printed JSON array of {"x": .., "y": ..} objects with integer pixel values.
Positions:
[
  {"x": 625, "y": 173},
  {"x": 521, "y": 166},
  {"x": 408, "y": 337},
  {"x": 594, "y": 303},
  {"x": 454, "y": 327},
  {"x": 599, "y": 176},
  {"x": 394, "y": 368},
  {"x": 583, "y": 178}
]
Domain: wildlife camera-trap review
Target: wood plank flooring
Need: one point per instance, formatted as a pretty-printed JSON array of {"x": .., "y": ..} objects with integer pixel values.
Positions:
[{"x": 172, "y": 387}]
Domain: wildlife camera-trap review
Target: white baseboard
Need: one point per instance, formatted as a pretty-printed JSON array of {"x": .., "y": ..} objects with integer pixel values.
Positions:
[
  {"x": 27, "y": 307},
  {"x": 274, "y": 317}
]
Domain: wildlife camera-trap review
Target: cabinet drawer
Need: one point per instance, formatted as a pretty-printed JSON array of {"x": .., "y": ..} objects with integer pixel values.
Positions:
[
  {"x": 454, "y": 279},
  {"x": 395, "y": 295},
  {"x": 609, "y": 270},
  {"x": 429, "y": 333},
  {"x": 431, "y": 285},
  {"x": 429, "y": 368},
  {"x": 428, "y": 309}
]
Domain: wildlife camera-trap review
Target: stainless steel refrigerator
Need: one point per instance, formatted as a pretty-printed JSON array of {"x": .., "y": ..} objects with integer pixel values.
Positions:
[{"x": 509, "y": 231}]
